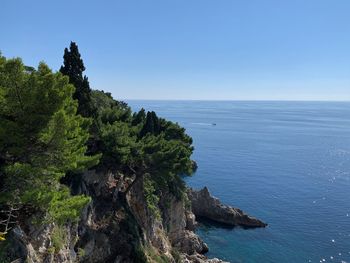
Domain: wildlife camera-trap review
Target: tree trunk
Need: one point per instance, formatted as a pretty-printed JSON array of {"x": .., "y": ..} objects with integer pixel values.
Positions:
[{"x": 137, "y": 178}]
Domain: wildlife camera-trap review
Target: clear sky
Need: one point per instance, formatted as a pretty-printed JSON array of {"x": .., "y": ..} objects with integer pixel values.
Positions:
[{"x": 191, "y": 49}]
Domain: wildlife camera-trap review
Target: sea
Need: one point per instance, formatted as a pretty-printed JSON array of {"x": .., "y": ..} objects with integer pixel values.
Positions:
[{"x": 284, "y": 162}]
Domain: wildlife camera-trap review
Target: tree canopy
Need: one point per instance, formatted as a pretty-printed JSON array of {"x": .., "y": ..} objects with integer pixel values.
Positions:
[
  {"x": 44, "y": 132},
  {"x": 41, "y": 139},
  {"x": 143, "y": 144}
]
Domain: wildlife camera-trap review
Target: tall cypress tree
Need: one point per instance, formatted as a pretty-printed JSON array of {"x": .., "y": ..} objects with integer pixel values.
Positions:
[
  {"x": 139, "y": 117},
  {"x": 151, "y": 125},
  {"x": 156, "y": 124},
  {"x": 73, "y": 67},
  {"x": 148, "y": 127}
]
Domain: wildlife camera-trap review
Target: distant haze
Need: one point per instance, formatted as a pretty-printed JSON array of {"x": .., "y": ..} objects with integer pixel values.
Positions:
[{"x": 191, "y": 49}]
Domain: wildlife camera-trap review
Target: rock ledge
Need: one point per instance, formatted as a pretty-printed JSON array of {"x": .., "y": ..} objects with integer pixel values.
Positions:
[{"x": 206, "y": 206}]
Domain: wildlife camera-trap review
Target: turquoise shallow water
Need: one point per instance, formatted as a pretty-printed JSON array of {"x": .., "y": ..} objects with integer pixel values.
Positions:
[{"x": 287, "y": 163}]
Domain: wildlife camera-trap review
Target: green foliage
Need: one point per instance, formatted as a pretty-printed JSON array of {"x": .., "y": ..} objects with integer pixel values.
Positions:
[
  {"x": 117, "y": 142},
  {"x": 187, "y": 202},
  {"x": 51, "y": 250},
  {"x": 41, "y": 139},
  {"x": 139, "y": 117},
  {"x": 155, "y": 257},
  {"x": 64, "y": 207},
  {"x": 151, "y": 198},
  {"x": 143, "y": 144},
  {"x": 161, "y": 259},
  {"x": 81, "y": 253},
  {"x": 166, "y": 160},
  {"x": 176, "y": 255},
  {"x": 139, "y": 255},
  {"x": 102, "y": 100},
  {"x": 151, "y": 125},
  {"x": 58, "y": 238},
  {"x": 44, "y": 136},
  {"x": 73, "y": 67}
]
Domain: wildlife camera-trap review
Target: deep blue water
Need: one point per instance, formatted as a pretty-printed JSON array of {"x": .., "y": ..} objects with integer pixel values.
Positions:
[{"x": 287, "y": 163}]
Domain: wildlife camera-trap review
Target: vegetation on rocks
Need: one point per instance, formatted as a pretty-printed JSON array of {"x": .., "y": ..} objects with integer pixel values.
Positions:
[
  {"x": 41, "y": 139},
  {"x": 53, "y": 126}
]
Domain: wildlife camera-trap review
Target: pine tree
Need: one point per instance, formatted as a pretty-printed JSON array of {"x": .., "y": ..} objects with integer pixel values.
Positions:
[
  {"x": 41, "y": 139},
  {"x": 144, "y": 147},
  {"x": 73, "y": 67}
]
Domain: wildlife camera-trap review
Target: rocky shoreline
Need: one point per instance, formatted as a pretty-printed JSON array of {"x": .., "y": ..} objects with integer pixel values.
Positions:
[
  {"x": 109, "y": 231},
  {"x": 204, "y": 205}
]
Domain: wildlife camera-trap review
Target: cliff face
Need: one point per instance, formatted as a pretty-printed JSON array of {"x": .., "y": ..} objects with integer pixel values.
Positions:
[
  {"x": 35, "y": 245},
  {"x": 122, "y": 229},
  {"x": 114, "y": 228}
]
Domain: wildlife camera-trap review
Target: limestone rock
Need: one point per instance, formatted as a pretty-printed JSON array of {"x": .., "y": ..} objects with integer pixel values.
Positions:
[
  {"x": 188, "y": 242},
  {"x": 206, "y": 206},
  {"x": 198, "y": 258},
  {"x": 191, "y": 222}
]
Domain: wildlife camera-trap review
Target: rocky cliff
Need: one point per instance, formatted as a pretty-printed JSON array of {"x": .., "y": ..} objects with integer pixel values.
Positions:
[{"x": 122, "y": 229}]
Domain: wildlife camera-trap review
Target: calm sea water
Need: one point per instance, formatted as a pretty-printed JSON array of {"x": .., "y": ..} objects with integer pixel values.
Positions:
[{"x": 287, "y": 163}]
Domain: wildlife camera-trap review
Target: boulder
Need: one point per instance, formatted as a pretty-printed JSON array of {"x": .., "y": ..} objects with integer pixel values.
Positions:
[
  {"x": 204, "y": 205},
  {"x": 189, "y": 243}
]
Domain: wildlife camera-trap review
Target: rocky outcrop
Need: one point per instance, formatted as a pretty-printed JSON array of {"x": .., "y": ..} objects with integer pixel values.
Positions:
[
  {"x": 201, "y": 259},
  {"x": 189, "y": 243},
  {"x": 121, "y": 228},
  {"x": 206, "y": 206},
  {"x": 111, "y": 226},
  {"x": 38, "y": 245}
]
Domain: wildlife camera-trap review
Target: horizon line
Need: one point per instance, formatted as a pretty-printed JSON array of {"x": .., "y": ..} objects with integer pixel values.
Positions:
[{"x": 236, "y": 100}]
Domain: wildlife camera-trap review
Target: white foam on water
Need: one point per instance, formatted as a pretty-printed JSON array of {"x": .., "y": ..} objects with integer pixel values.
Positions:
[{"x": 202, "y": 123}]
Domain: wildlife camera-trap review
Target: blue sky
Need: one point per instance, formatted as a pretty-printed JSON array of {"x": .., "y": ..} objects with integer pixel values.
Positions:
[{"x": 187, "y": 49}]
